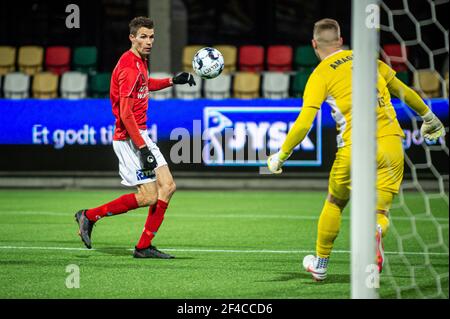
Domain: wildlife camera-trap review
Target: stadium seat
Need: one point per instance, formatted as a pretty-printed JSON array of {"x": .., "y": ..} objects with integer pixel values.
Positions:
[
  {"x": 45, "y": 85},
  {"x": 275, "y": 85},
  {"x": 229, "y": 53},
  {"x": 74, "y": 85},
  {"x": 16, "y": 85},
  {"x": 57, "y": 59},
  {"x": 218, "y": 88},
  {"x": 403, "y": 76},
  {"x": 279, "y": 58},
  {"x": 188, "y": 54},
  {"x": 30, "y": 59},
  {"x": 251, "y": 58},
  {"x": 299, "y": 83},
  {"x": 85, "y": 59},
  {"x": 163, "y": 94},
  {"x": 305, "y": 58},
  {"x": 396, "y": 57},
  {"x": 246, "y": 85},
  {"x": 427, "y": 82},
  {"x": 187, "y": 92},
  {"x": 99, "y": 85},
  {"x": 7, "y": 59}
]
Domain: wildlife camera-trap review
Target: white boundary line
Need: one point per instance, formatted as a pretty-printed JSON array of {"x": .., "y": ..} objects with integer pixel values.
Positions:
[
  {"x": 218, "y": 216},
  {"x": 222, "y": 250}
]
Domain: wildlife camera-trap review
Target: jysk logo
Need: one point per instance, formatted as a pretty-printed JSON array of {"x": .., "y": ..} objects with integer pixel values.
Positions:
[
  {"x": 246, "y": 136},
  {"x": 144, "y": 174}
]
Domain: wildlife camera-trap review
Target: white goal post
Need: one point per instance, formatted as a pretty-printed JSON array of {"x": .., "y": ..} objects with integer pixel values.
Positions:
[{"x": 365, "y": 25}]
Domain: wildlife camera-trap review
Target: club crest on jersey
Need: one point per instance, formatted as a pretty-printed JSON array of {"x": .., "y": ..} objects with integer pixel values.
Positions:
[
  {"x": 142, "y": 92},
  {"x": 142, "y": 174}
]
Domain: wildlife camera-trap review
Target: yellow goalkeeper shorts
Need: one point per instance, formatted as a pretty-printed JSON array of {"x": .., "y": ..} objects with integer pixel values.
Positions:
[{"x": 389, "y": 168}]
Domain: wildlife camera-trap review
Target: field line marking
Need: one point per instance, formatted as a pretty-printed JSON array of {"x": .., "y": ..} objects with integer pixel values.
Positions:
[
  {"x": 223, "y": 250},
  {"x": 218, "y": 216}
]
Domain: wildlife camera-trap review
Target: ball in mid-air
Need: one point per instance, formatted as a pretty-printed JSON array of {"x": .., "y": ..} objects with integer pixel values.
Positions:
[{"x": 208, "y": 63}]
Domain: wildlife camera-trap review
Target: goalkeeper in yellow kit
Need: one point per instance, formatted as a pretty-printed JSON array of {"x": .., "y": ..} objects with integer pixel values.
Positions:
[{"x": 331, "y": 81}]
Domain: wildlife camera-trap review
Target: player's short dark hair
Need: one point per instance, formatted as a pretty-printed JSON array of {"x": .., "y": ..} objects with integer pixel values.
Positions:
[{"x": 138, "y": 23}]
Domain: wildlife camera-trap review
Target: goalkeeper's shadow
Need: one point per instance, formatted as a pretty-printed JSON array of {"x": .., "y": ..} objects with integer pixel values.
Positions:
[{"x": 331, "y": 279}]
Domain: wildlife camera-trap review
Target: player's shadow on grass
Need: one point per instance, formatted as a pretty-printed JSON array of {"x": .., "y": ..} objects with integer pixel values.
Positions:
[
  {"x": 307, "y": 279},
  {"x": 284, "y": 277},
  {"x": 331, "y": 279},
  {"x": 115, "y": 251},
  {"x": 125, "y": 252}
]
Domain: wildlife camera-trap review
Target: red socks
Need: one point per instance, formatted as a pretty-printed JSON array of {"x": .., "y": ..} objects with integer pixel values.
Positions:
[
  {"x": 128, "y": 202},
  {"x": 117, "y": 206},
  {"x": 154, "y": 220}
]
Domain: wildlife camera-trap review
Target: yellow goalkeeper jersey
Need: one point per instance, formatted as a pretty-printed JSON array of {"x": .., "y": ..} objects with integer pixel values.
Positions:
[{"x": 331, "y": 81}]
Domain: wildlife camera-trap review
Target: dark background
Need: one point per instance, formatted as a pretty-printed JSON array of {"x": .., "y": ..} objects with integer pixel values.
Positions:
[{"x": 104, "y": 23}]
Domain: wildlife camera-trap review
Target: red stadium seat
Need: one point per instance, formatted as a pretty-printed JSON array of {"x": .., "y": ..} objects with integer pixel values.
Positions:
[
  {"x": 279, "y": 58},
  {"x": 251, "y": 58},
  {"x": 57, "y": 59},
  {"x": 395, "y": 56}
]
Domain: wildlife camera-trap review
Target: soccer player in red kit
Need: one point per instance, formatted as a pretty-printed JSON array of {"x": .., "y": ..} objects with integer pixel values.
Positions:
[{"x": 141, "y": 163}]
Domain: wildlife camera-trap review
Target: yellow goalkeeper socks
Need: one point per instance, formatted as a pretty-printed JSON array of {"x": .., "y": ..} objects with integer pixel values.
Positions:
[
  {"x": 383, "y": 221},
  {"x": 328, "y": 229},
  {"x": 384, "y": 202}
]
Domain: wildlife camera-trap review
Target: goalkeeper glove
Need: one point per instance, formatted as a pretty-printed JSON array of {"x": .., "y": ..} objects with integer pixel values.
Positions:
[
  {"x": 275, "y": 161},
  {"x": 148, "y": 159},
  {"x": 432, "y": 127},
  {"x": 183, "y": 78}
]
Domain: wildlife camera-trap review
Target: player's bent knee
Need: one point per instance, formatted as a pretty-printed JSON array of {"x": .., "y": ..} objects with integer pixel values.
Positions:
[
  {"x": 169, "y": 188},
  {"x": 146, "y": 199},
  {"x": 173, "y": 187},
  {"x": 152, "y": 199},
  {"x": 383, "y": 212},
  {"x": 341, "y": 203}
]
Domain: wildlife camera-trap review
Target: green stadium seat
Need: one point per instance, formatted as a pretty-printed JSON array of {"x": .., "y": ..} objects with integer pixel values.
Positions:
[
  {"x": 305, "y": 58},
  {"x": 99, "y": 85},
  {"x": 299, "y": 83},
  {"x": 85, "y": 59},
  {"x": 403, "y": 76}
]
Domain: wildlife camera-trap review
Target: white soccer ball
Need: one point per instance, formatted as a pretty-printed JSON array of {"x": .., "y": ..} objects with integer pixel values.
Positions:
[{"x": 208, "y": 63}]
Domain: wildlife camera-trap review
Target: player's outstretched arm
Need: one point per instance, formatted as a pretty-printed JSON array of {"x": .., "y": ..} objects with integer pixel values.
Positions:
[
  {"x": 432, "y": 127},
  {"x": 159, "y": 84},
  {"x": 295, "y": 136},
  {"x": 180, "y": 78}
]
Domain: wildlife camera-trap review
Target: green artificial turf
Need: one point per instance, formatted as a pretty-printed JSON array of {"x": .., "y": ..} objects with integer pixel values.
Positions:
[{"x": 240, "y": 244}]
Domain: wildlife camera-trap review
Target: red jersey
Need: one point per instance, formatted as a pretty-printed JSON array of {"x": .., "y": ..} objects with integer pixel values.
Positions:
[{"x": 130, "y": 80}]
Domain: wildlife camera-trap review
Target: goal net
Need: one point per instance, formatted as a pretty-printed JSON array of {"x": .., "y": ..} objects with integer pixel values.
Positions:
[{"x": 414, "y": 41}]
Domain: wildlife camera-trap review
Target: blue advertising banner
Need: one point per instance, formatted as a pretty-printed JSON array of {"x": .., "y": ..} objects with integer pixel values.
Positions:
[{"x": 231, "y": 132}]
